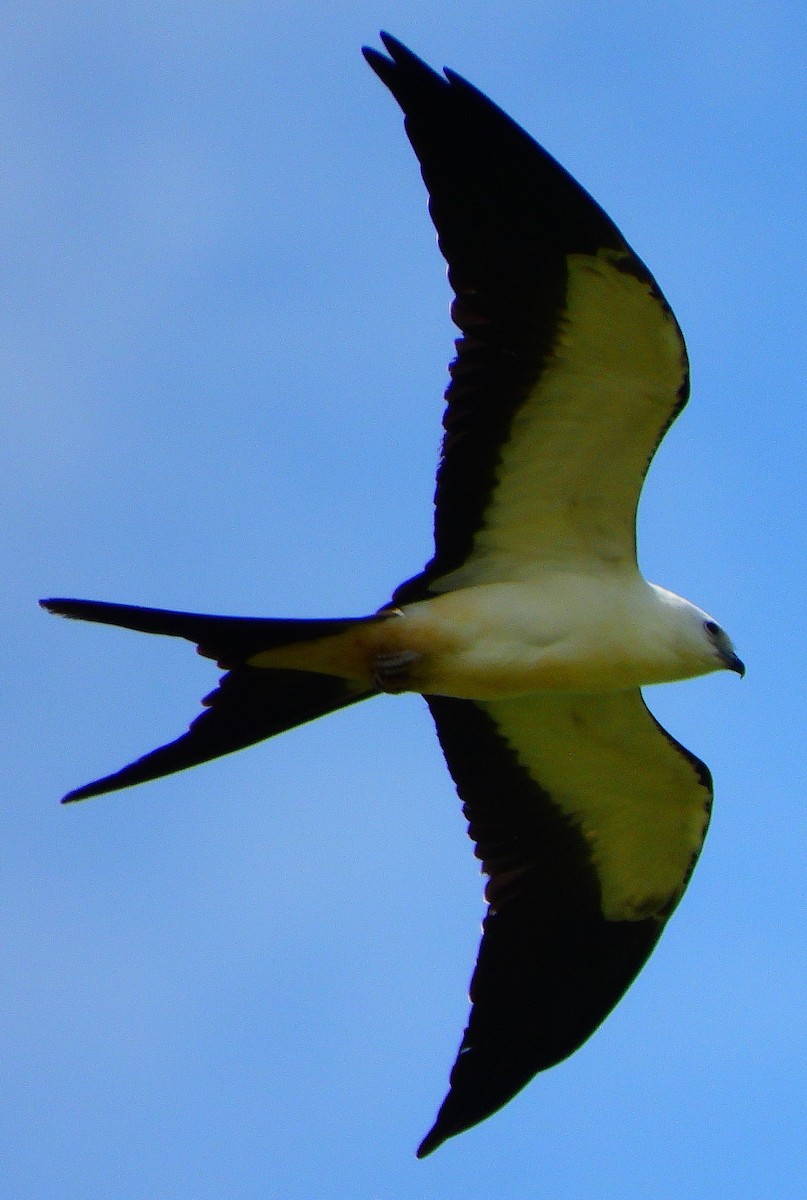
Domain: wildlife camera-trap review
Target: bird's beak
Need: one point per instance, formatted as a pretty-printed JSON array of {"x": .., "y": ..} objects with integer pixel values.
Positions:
[{"x": 733, "y": 663}]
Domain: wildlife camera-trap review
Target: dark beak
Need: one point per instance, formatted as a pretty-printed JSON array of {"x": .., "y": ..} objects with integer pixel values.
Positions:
[{"x": 732, "y": 663}]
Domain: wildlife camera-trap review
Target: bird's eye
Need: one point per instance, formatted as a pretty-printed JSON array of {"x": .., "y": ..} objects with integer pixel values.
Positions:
[{"x": 712, "y": 628}]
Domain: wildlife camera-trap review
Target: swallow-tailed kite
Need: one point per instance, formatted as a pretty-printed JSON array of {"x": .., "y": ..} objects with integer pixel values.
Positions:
[{"x": 531, "y": 631}]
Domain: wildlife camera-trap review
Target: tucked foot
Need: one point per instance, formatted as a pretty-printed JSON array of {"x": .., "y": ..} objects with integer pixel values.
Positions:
[{"x": 392, "y": 672}]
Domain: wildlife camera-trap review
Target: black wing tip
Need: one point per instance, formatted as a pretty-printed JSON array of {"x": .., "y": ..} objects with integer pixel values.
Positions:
[
  {"x": 82, "y": 793},
  {"x": 401, "y": 60},
  {"x": 380, "y": 62},
  {"x": 396, "y": 50},
  {"x": 403, "y": 66},
  {"x": 81, "y": 610},
  {"x": 432, "y": 1141},
  {"x": 98, "y": 787},
  {"x": 58, "y": 606}
]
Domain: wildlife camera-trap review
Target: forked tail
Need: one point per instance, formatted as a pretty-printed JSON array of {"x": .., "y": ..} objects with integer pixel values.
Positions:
[{"x": 249, "y": 704}]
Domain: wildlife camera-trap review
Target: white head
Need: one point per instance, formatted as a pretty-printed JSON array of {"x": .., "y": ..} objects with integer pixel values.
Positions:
[{"x": 700, "y": 643}]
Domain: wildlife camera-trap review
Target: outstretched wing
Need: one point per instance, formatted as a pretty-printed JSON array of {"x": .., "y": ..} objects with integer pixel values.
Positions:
[
  {"x": 588, "y": 818},
  {"x": 570, "y": 366}
]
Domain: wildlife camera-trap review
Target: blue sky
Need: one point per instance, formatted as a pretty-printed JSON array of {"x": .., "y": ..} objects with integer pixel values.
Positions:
[{"x": 224, "y": 343}]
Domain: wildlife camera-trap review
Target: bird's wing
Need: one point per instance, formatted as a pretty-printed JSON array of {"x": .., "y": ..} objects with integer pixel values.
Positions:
[
  {"x": 570, "y": 366},
  {"x": 588, "y": 818}
]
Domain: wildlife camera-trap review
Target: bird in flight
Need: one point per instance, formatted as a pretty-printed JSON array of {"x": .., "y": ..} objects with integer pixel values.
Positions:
[{"x": 531, "y": 631}]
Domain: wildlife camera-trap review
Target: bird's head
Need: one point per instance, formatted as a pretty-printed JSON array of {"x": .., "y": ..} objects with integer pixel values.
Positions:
[
  {"x": 719, "y": 646},
  {"x": 699, "y": 644}
]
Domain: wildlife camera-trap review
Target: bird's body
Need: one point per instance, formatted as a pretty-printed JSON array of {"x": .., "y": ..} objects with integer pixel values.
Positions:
[
  {"x": 567, "y": 631},
  {"x": 531, "y": 630}
]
